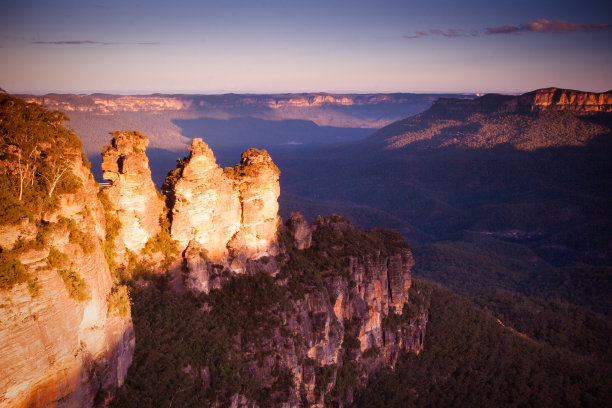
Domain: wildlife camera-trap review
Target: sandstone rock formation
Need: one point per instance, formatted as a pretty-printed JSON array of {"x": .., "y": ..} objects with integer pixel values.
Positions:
[
  {"x": 256, "y": 179},
  {"x": 358, "y": 320},
  {"x": 206, "y": 206},
  {"x": 55, "y": 349},
  {"x": 132, "y": 191},
  {"x": 232, "y": 213}
]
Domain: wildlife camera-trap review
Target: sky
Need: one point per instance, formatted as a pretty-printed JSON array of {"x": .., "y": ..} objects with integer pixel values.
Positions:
[{"x": 189, "y": 46}]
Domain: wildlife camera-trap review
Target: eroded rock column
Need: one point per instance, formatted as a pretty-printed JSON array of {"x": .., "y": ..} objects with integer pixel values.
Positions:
[{"x": 132, "y": 191}]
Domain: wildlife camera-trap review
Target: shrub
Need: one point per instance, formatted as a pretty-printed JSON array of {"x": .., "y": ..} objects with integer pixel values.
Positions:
[
  {"x": 113, "y": 225},
  {"x": 371, "y": 352},
  {"x": 68, "y": 184},
  {"x": 56, "y": 259},
  {"x": 85, "y": 161},
  {"x": 119, "y": 300},
  {"x": 33, "y": 287},
  {"x": 323, "y": 376},
  {"x": 12, "y": 271},
  {"x": 75, "y": 285},
  {"x": 85, "y": 241}
]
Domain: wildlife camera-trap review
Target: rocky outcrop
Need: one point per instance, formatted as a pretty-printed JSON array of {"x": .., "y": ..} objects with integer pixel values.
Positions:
[
  {"x": 61, "y": 344},
  {"x": 232, "y": 214},
  {"x": 205, "y": 205},
  {"x": 347, "y": 317},
  {"x": 132, "y": 192},
  {"x": 362, "y": 318},
  {"x": 256, "y": 179},
  {"x": 300, "y": 231}
]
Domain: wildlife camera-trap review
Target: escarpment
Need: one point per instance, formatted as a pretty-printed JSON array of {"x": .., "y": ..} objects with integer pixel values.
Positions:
[
  {"x": 132, "y": 192},
  {"x": 543, "y": 118},
  {"x": 66, "y": 334}
]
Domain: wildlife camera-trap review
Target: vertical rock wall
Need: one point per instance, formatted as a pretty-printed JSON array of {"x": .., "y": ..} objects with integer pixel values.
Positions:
[
  {"x": 132, "y": 191},
  {"x": 206, "y": 205},
  {"x": 56, "y": 350}
]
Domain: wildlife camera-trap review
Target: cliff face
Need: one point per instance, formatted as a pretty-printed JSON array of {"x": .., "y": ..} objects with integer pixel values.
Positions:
[
  {"x": 230, "y": 214},
  {"x": 63, "y": 345},
  {"x": 256, "y": 179},
  {"x": 132, "y": 192}
]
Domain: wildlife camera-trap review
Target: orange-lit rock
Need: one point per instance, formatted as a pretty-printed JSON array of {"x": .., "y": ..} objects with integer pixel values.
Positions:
[
  {"x": 256, "y": 179},
  {"x": 206, "y": 206},
  {"x": 132, "y": 191},
  {"x": 55, "y": 350},
  {"x": 232, "y": 213}
]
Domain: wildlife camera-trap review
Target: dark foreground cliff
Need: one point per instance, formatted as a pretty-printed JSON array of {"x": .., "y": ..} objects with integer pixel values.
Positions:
[{"x": 308, "y": 333}]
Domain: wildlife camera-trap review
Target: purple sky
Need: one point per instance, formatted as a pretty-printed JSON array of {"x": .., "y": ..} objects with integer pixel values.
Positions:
[{"x": 293, "y": 46}]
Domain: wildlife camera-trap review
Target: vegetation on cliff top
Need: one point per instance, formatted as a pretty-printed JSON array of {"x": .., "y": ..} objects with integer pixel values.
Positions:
[{"x": 36, "y": 156}]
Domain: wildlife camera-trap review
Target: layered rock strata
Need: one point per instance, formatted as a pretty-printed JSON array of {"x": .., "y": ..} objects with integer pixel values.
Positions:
[
  {"x": 231, "y": 214},
  {"x": 57, "y": 350},
  {"x": 132, "y": 191}
]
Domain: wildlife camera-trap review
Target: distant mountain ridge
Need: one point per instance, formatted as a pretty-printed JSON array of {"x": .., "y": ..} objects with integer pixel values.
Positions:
[
  {"x": 541, "y": 118},
  {"x": 544, "y": 99},
  {"x": 108, "y": 103},
  {"x": 231, "y": 121}
]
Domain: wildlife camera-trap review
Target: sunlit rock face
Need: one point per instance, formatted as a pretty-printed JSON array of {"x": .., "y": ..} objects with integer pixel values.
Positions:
[
  {"x": 132, "y": 191},
  {"x": 568, "y": 99},
  {"x": 206, "y": 205},
  {"x": 256, "y": 179},
  {"x": 56, "y": 351},
  {"x": 540, "y": 100},
  {"x": 232, "y": 213}
]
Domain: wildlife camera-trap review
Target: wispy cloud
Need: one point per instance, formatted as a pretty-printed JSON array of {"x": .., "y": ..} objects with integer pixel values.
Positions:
[
  {"x": 74, "y": 42},
  {"x": 451, "y": 32},
  {"x": 88, "y": 42},
  {"x": 540, "y": 25}
]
